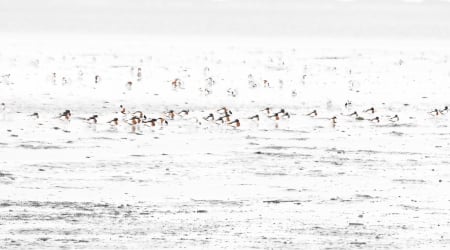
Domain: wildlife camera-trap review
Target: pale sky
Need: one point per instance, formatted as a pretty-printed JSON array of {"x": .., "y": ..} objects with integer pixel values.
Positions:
[{"x": 316, "y": 18}]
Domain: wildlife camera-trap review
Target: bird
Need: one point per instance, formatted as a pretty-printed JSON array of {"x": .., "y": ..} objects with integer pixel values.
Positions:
[
  {"x": 114, "y": 122},
  {"x": 435, "y": 112},
  {"x": 92, "y": 119},
  {"x": 235, "y": 123},
  {"x": 35, "y": 115},
  {"x": 170, "y": 114},
  {"x": 163, "y": 121},
  {"x": 151, "y": 122},
  {"x": 224, "y": 118},
  {"x": 267, "y": 110},
  {"x": 255, "y": 117},
  {"x": 395, "y": 118},
  {"x": 348, "y": 104},
  {"x": 65, "y": 115},
  {"x": 122, "y": 110},
  {"x": 376, "y": 119},
  {"x": 139, "y": 114},
  {"x": 184, "y": 112},
  {"x": 313, "y": 113},
  {"x": 371, "y": 109},
  {"x": 225, "y": 111},
  {"x": 333, "y": 121},
  {"x": 209, "y": 117}
]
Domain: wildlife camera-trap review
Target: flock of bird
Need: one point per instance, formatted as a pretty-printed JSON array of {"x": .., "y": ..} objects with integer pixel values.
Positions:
[{"x": 220, "y": 117}]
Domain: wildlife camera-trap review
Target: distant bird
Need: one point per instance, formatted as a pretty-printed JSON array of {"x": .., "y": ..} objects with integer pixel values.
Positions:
[
  {"x": 276, "y": 116},
  {"x": 152, "y": 122},
  {"x": 348, "y": 104},
  {"x": 235, "y": 123},
  {"x": 163, "y": 121},
  {"x": 209, "y": 117},
  {"x": 395, "y": 118},
  {"x": 139, "y": 74},
  {"x": 444, "y": 111},
  {"x": 313, "y": 113},
  {"x": 66, "y": 115},
  {"x": 225, "y": 118},
  {"x": 255, "y": 118},
  {"x": 176, "y": 83},
  {"x": 135, "y": 120},
  {"x": 139, "y": 114},
  {"x": 267, "y": 110},
  {"x": 114, "y": 122},
  {"x": 122, "y": 110},
  {"x": 372, "y": 110},
  {"x": 333, "y": 120},
  {"x": 129, "y": 84},
  {"x": 184, "y": 112},
  {"x": 92, "y": 119},
  {"x": 286, "y": 114},
  {"x": 353, "y": 114},
  {"x": 435, "y": 112},
  {"x": 35, "y": 115},
  {"x": 376, "y": 119},
  {"x": 170, "y": 114},
  {"x": 225, "y": 111}
]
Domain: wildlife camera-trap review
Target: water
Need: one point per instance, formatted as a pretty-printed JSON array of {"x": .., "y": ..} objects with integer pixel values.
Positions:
[{"x": 296, "y": 183}]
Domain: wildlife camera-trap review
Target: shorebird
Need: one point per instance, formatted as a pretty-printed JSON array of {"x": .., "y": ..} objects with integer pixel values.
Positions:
[
  {"x": 35, "y": 115},
  {"x": 376, "y": 119},
  {"x": 170, "y": 114},
  {"x": 139, "y": 114},
  {"x": 235, "y": 123},
  {"x": 372, "y": 110},
  {"x": 176, "y": 83},
  {"x": 395, "y": 118},
  {"x": 225, "y": 111},
  {"x": 184, "y": 112},
  {"x": 129, "y": 85},
  {"x": 313, "y": 113},
  {"x": 348, "y": 104},
  {"x": 267, "y": 110},
  {"x": 209, "y": 117},
  {"x": 66, "y": 115},
  {"x": 114, "y": 122},
  {"x": 286, "y": 114},
  {"x": 255, "y": 118},
  {"x": 139, "y": 74},
  {"x": 276, "y": 116},
  {"x": 152, "y": 122},
  {"x": 333, "y": 121},
  {"x": 123, "y": 110},
  {"x": 435, "y": 112},
  {"x": 163, "y": 121},
  {"x": 135, "y": 120},
  {"x": 92, "y": 119},
  {"x": 224, "y": 118},
  {"x": 282, "y": 111}
]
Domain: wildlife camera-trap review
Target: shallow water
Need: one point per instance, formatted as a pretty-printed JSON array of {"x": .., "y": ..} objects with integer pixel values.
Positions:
[{"x": 297, "y": 183}]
